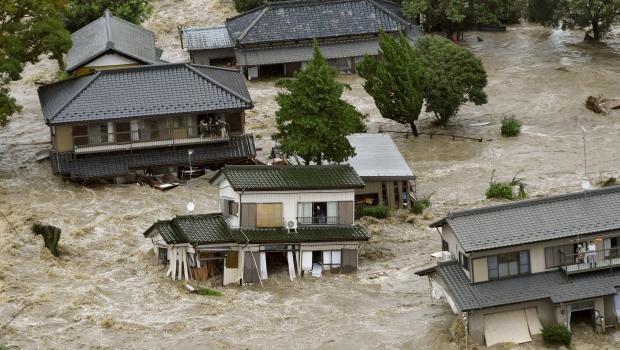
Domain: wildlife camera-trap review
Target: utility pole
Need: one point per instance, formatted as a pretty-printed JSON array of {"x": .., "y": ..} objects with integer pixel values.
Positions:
[{"x": 585, "y": 184}]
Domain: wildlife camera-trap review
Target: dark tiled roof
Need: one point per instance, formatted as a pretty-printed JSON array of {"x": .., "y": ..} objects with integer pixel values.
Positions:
[
  {"x": 548, "y": 285},
  {"x": 194, "y": 229},
  {"x": 290, "y": 177},
  {"x": 296, "y": 20},
  {"x": 536, "y": 220},
  {"x": 206, "y": 38},
  {"x": 147, "y": 91},
  {"x": 103, "y": 165},
  {"x": 111, "y": 33},
  {"x": 314, "y": 234},
  {"x": 303, "y": 52}
]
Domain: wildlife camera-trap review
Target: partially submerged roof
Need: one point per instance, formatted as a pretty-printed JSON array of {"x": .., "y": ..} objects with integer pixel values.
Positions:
[
  {"x": 377, "y": 157},
  {"x": 206, "y": 38},
  {"x": 289, "y": 177},
  {"x": 145, "y": 91},
  {"x": 536, "y": 220},
  {"x": 296, "y": 20},
  {"x": 213, "y": 229},
  {"x": 547, "y": 285},
  {"x": 110, "y": 33}
]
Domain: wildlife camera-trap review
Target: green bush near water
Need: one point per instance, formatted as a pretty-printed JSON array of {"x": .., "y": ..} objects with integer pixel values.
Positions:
[
  {"x": 419, "y": 205},
  {"x": 498, "y": 189},
  {"x": 208, "y": 292},
  {"x": 556, "y": 335},
  {"x": 377, "y": 211},
  {"x": 511, "y": 127}
]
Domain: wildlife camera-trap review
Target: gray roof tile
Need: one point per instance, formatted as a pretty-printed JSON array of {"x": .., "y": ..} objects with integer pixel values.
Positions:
[
  {"x": 547, "y": 285},
  {"x": 295, "y": 20},
  {"x": 378, "y": 157},
  {"x": 536, "y": 220},
  {"x": 206, "y": 38},
  {"x": 111, "y": 33},
  {"x": 146, "y": 91},
  {"x": 289, "y": 177}
]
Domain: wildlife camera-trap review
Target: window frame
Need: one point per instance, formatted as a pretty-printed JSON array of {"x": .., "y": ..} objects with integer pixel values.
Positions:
[
  {"x": 464, "y": 261},
  {"x": 497, "y": 276}
]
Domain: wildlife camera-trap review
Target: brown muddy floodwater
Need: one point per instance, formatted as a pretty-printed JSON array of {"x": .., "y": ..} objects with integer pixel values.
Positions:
[{"x": 106, "y": 292}]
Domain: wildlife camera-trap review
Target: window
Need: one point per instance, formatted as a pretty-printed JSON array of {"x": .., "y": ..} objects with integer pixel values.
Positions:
[
  {"x": 309, "y": 213},
  {"x": 269, "y": 215},
  {"x": 80, "y": 135},
  {"x": 445, "y": 247},
  {"x": 232, "y": 260},
  {"x": 555, "y": 256},
  {"x": 464, "y": 261},
  {"x": 509, "y": 264},
  {"x": 332, "y": 259},
  {"x": 229, "y": 207},
  {"x": 122, "y": 131}
]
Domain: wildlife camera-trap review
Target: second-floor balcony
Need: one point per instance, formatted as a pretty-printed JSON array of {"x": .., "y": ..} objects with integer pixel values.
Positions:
[
  {"x": 320, "y": 220},
  {"x": 590, "y": 261},
  {"x": 140, "y": 139}
]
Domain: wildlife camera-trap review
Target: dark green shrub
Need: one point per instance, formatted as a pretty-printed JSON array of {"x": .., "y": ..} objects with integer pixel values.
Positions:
[
  {"x": 419, "y": 205},
  {"x": 247, "y": 5},
  {"x": 511, "y": 127},
  {"x": 208, "y": 292},
  {"x": 609, "y": 182},
  {"x": 556, "y": 335},
  {"x": 378, "y": 211},
  {"x": 499, "y": 190}
]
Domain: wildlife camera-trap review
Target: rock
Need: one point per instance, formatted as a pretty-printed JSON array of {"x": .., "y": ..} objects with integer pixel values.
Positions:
[
  {"x": 595, "y": 104},
  {"x": 563, "y": 69}
]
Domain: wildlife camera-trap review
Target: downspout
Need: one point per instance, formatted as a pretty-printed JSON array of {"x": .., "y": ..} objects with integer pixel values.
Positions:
[{"x": 180, "y": 29}]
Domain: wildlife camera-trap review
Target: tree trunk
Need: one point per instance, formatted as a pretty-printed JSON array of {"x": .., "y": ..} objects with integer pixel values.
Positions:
[
  {"x": 596, "y": 32},
  {"x": 414, "y": 129}
]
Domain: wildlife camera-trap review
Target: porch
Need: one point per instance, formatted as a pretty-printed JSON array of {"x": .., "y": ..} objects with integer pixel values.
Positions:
[{"x": 590, "y": 261}]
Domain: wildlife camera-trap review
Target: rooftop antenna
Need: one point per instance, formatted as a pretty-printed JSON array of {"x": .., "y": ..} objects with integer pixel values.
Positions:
[
  {"x": 585, "y": 184},
  {"x": 190, "y": 204}
]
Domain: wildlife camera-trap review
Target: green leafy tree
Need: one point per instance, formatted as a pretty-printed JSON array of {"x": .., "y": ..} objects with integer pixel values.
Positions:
[
  {"x": 395, "y": 80},
  {"x": 454, "y": 76},
  {"x": 81, "y": 12},
  {"x": 28, "y": 29},
  {"x": 247, "y": 5},
  {"x": 599, "y": 15},
  {"x": 313, "y": 121}
]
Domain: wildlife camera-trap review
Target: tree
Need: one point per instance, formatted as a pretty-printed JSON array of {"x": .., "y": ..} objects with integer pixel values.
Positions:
[
  {"x": 28, "y": 29},
  {"x": 247, "y": 5},
  {"x": 454, "y": 76},
  {"x": 395, "y": 80},
  {"x": 313, "y": 121},
  {"x": 81, "y": 12},
  {"x": 597, "y": 14}
]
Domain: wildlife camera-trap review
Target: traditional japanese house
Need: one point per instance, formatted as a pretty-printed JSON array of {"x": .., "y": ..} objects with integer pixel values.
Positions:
[
  {"x": 510, "y": 269},
  {"x": 111, "y": 42},
  {"x": 388, "y": 178},
  {"x": 297, "y": 217},
  {"x": 123, "y": 122},
  {"x": 276, "y": 39}
]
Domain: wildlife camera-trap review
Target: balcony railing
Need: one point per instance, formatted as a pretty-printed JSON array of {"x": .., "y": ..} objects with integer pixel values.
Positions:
[
  {"x": 138, "y": 139},
  {"x": 320, "y": 220},
  {"x": 590, "y": 261}
]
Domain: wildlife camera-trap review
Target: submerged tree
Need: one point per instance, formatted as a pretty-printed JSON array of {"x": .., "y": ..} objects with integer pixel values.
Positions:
[
  {"x": 81, "y": 12},
  {"x": 395, "y": 80},
  {"x": 454, "y": 76},
  {"x": 313, "y": 121},
  {"x": 598, "y": 15},
  {"x": 28, "y": 29}
]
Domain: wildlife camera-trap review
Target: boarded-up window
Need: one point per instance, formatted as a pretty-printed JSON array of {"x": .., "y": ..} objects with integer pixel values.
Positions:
[
  {"x": 345, "y": 213},
  {"x": 349, "y": 260},
  {"x": 232, "y": 260},
  {"x": 269, "y": 215},
  {"x": 248, "y": 215}
]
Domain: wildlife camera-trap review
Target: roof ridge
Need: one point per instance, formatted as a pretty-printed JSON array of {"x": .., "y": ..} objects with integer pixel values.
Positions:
[
  {"x": 145, "y": 67},
  {"x": 216, "y": 67},
  {"x": 251, "y": 25},
  {"x": 204, "y": 28},
  {"x": 94, "y": 77},
  {"x": 218, "y": 84},
  {"x": 528, "y": 202},
  {"x": 88, "y": 25},
  {"x": 390, "y": 13},
  {"x": 107, "y": 14}
]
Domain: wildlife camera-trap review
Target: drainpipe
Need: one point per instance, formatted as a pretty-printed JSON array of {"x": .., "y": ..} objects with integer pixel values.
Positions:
[{"x": 180, "y": 29}]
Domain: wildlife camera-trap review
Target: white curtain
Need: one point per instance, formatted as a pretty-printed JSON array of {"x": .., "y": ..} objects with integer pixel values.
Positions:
[
  {"x": 332, "y": 209},
  {"x": 263, "y": 266},
  {"x": 306, "y": 261}
]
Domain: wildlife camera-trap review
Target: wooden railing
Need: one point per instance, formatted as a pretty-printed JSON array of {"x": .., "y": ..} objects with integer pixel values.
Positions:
[{"x": 590, "y": 261}]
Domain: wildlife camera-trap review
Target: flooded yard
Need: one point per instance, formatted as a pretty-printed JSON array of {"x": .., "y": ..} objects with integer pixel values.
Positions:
[{"x": 106, "y": 291}]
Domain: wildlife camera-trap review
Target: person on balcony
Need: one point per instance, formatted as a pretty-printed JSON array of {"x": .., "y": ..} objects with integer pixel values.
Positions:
[
  {"x": 581, "y": 254},
  {"x": 591, "y": 255},
  {"x": 204, "y": 127}
]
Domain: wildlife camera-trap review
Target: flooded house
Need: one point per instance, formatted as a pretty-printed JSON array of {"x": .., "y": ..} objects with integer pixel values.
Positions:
[
  {"x": 388, "y": 178},
  {"x": 111, "y": 42},
  {"x": 276, "y": 38},
  {"x": 510, "y": 269},
  {"x": 295, "y": 219},
  {"x": 154, "y": 119}
]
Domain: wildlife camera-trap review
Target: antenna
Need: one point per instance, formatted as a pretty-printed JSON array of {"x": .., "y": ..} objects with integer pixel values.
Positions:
[{"x": 585, "y": 184}]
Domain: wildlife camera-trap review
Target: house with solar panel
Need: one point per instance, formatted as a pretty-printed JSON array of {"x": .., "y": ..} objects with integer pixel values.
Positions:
[
  {"x": 510, "y": 269},
  {"x": 111, "y": 42},
  {"x": 154, "y": 119},
  {"x": 293, "y": 220},
  {"x": 276, "y": 38}
]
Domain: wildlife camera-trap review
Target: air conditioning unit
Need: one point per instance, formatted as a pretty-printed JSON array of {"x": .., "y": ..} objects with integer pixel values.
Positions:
[{"x": 291, "y": 225}]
